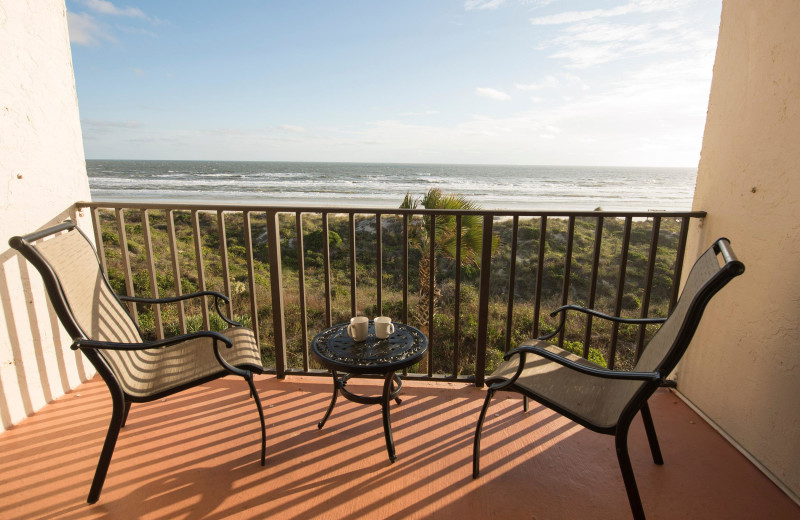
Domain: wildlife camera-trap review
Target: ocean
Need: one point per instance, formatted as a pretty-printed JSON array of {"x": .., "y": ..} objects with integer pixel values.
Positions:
[{"x": 376, "y": 185}]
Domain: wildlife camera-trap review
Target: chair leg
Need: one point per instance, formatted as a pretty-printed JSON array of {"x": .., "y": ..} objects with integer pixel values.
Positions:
[
  {"x": 257, "y": 399},
  {"x": 125, "y": 415},
  {"x": 651, "y": 435},
  {"x": 476, "y": 449},
  {"x": 621, "y": 442},
  {"x": 118, "y": 414},
  {"x": 524, "y": 403}
]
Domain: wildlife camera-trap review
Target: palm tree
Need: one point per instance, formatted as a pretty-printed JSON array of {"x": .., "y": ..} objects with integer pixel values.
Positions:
[{"x": 445, "y": 242}]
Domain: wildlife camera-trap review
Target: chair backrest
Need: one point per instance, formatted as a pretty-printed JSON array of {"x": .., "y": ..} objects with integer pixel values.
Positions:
[
  {"x": 710, "y": 273},
  {"x": 79, "y": 291}
]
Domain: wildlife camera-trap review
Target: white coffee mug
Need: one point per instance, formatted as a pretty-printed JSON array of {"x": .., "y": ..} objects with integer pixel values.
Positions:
[
  {"x": 358, "y": 328},
  {"x": 383, "y": 327}
]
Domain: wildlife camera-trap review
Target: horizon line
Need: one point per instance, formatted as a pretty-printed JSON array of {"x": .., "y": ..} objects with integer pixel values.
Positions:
[{"x": 398, "y": 163}]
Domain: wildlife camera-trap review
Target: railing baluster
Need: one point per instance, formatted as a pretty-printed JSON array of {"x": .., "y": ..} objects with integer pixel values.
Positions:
[
  {"x": 457, "y": 310},
  {"x": 651, "y": 263},
  {"x": 567, "y": 271},
  {"x": 537, "y": 300},
  {"x": 151, "y": 270},
  {"x": 251, "y": 277},
  {"x": 405, "y": 274},
  {"x": 126, "y": 263},
  {"x": 623, "y": 266},
  {"x": 198, "y": 258},
  {"x": 512, "y": 280},
  {"x": 598, "y": 239},
  {"x": 176, "y": 268},
  {"x": 483, "y": 301},
  {"x": 223, "y": 256},
  {"x": 276, "y": 281},
  {"x": 431, "y": 291},
  {"x": 379, "y": 262},
  {"x": 98, "y": 239},
  {"x": 405, "y": 267},
  {"x": 326, "y": 258},
  {"x": 353, "y": 295},
  {"x": 676, "y": 280},
  {"x": 301, "y": 282}
]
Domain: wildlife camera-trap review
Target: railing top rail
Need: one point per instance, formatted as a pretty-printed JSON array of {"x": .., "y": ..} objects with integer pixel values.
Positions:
[{"x": 382, "y": 211}]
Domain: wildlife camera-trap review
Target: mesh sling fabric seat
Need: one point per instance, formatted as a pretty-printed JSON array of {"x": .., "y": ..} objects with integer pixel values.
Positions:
[
  {"x": 134, "y": 370},
  {"x": 603, "y": 400}
]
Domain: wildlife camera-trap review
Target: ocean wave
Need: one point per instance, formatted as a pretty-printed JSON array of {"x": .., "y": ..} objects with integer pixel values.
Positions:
[{"x": 337, "y": 184}]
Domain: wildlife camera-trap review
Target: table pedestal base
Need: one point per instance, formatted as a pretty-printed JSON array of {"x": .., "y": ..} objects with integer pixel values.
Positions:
[{"x": 392, "y": 384}]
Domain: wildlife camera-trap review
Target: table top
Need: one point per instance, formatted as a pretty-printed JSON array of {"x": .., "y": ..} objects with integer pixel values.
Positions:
[{"x": 336, "y": 350}]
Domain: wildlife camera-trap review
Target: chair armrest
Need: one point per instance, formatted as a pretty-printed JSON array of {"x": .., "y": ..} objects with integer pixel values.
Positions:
[
  {"x": 617, "y": 319},
  {"x": 167, "y": 342},
  {"x": 172, "y": 299},
  {"x": 598, "y": 372}
]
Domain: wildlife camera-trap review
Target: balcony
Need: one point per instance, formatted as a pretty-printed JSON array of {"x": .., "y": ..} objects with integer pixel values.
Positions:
[{"x": 195, "y": 455}]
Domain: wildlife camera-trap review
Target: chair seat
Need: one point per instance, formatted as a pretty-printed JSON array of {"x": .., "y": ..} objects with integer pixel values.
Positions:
[
  {"x": 595, "y": 400},
  {"x": 148, "y": 372}
]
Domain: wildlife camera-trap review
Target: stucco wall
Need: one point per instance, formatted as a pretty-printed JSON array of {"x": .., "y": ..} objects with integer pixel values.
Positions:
[
  {"x": 742, "y": 369},
  {"x": 43, "y": 171}
]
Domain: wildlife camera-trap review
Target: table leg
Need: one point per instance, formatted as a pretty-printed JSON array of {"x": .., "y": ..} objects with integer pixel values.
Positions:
[
  {"x": 333, "y": 400},
  {"x": 388, "y": 386},
  {"x": 395, "y": 389}
]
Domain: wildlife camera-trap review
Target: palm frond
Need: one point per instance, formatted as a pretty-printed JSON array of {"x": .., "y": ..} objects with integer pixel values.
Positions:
[
  {"x": 409, "y": 202},
  {"x": 445, "y": 227}
]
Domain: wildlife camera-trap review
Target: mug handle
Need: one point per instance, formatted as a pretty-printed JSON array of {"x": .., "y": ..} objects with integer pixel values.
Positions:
[
  {"x": 391, "y": 328},
  {"x": 350, "y": 330}
]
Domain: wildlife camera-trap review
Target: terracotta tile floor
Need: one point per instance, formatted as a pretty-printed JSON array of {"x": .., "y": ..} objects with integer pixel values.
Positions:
[{"x": 195, "y": 455}]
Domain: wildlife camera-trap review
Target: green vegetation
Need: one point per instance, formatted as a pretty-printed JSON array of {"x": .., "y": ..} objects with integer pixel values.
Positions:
[{"x": 442, "y": 351}]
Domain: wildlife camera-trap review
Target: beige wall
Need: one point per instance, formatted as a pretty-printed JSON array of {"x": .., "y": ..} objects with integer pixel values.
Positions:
[
  {"x": 743, "y": 369},
  {"x": 43, "y": 173}
]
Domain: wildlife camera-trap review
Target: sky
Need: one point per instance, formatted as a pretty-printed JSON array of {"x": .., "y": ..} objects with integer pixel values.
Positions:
[{"x": 536, "y": 82}]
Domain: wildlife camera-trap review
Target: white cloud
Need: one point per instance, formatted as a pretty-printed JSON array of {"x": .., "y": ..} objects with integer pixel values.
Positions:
[
  {"x": 549, "y": 81},
  {"x": 423, "y": 113},
  {"x": 471, "y": 5},
  {"x": 293, "y": 128},
  {"x": 651, "y": 115},
  {"x": 99, "y": 124},
  {"x": 589, "y": 38},
  {"x": 538, "y": 4},
  {"x": 560, "y": 81},
  {"x": 95, "y": 129},
  {"x": 600, "y": 32},
  {"x": 105, "y": 7},
  {"x": 492, "y": 93},
  {"x": 639, "y": 6},
  {"x": 85, "y": 30}
]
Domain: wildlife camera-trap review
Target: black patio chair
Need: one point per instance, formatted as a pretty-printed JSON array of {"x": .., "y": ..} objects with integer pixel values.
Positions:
[
  {"x": 603, "y": 400},
  {"x": 134, "y": 370}
]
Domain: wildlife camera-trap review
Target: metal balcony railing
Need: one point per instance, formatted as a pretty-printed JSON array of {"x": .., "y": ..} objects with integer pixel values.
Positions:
[{"x": 289, "y": 272}]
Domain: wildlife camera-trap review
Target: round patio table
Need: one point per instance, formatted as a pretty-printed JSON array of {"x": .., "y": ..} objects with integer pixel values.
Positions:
[{"x": 340, "y": 353}]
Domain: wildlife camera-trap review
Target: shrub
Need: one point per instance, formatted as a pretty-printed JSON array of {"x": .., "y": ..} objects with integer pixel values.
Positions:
[
  {"x": 631, "y": 302},
  {"x": 595, "y": 356}
]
